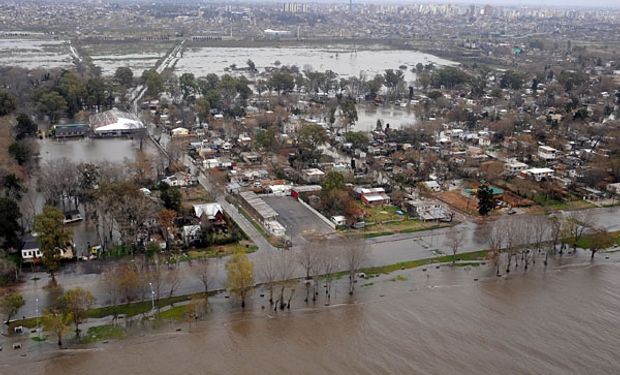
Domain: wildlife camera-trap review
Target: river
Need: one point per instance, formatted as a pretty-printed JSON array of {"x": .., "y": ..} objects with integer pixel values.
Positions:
[{"x": 560, "y": 321}]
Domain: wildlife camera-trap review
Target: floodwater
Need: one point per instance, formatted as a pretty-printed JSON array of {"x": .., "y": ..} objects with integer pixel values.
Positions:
[
  {"x": 339, "y": 59},
  {"x": 560, "y": 321},
  {"x": 396, "y": 116},
  {"x": 35, "y": 53},
  {"x": 89, "y": 150},
  {"x": 137, "y": 62}
]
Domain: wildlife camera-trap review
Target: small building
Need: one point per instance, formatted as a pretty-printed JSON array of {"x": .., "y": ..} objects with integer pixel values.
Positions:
[
  {"x": 115, "y": 123},
  {"x": 70, "y": 130},
  {"x": 212, "y": 212},
  {"x": 538, "y": 174},
  {"x": 513, "y": 167},
  {"x": 374, "y": 197},
  {"x": 432, "y": 186},
  {"x": 179, "y": 132},
  {"x": 312, "y": 175},
  {"x": 547, "y": 153},
  {"x": 31, "y": 251},
  {"x": 297, "y": 191},
  {"x": 339, "y": 220},
  {"x": 427, "y": 211},
  {"x": 614, "y": 188}
]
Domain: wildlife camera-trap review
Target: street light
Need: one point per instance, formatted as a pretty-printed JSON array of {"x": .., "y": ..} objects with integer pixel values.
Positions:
[
  {"x": 152, "y": 297},
  {"x": 36, "y": 313}
]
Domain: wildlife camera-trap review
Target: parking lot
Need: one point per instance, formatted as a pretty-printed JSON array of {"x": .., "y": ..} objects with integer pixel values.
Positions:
[{"x": 296, "y": 218}]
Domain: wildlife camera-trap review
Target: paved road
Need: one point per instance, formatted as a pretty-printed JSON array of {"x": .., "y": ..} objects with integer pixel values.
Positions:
[{"x": 382, "y": 251}]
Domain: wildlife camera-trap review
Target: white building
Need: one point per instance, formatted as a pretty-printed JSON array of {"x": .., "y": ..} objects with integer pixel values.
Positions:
[
  {"x": 547, "y": 153},
  {"x": 538, "y": 173},
  {"x": 115, "y": 123},
  {"x": 514, "y": 167}
]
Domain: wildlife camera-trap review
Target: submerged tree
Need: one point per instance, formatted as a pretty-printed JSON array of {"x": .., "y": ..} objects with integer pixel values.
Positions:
[
  {"x": 10, "y": 305},
  {"x": 57, "y": 322},
  {"x": 76, "y": 303},
  {"x": 240, "y": 275}
]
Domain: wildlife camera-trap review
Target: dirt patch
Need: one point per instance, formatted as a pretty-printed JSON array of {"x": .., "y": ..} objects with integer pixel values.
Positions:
[{"x": 459, "y": 202}]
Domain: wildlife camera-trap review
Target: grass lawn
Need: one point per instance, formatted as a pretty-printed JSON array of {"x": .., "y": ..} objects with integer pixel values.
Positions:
[
  {"x": 223, "y": 250},
  {"x": 476, "y": 255},
  {"x": 133, "y": 309},
  {"x": 404, "y": 226},
  {"x": 105, "y": 332},
  {"x": 584, "y": 241},
  {"x": 556, "y": 205},
  {"x": 174, "y": 313},
  {"x": 379, "y": 214}
]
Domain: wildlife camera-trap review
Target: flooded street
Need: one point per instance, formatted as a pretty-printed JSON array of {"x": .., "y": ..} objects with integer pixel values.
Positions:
[
  {"x": 397, "y": 117},
  {"x": 560, "y": 321}
]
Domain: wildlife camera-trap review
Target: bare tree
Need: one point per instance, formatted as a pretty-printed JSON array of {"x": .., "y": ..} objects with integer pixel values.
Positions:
[
  {"x": 454, "y": 241},
  {"x": 495, "y": 240},
  {"x": 576, "y": 224},
  {"x": 355, "y": 256},
  {"x": 268, "y": 271},
  {"x": 173, "y": 278},
  {"x": 285, "y": 268},
  {"x": 308, "y": 259},
  {"x": 112, "y": 287},
  {"x": 329, "y": 263},
  {"x": 201, "y": 270}
]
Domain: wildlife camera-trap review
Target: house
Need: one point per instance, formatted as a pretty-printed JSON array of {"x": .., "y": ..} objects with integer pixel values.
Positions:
[
  {"x": 212, "y": 212},
  {"x": 432, "y": 186},
  {"x": 614, "y": 188},
  {"x": 513, "y": 167},
  {"x": 427, "y": 211},
  {"x": 538, "y": 174},
  {"x": 302, "y": 190},
  {"x": 179, "y": 132},
  {"x": 70, "y": 130},
  {"x": 31, "y": 251},
  {"x": 191, "y": 234},
  {"x": 547, "y": 153},
  {"x": 115, "y": 123},
  {"x": 312, "y": 175},
  {"x": 72, "y": 216},
  {"x": 374, "y": 197},
  {"x": 180, "y": 179}
]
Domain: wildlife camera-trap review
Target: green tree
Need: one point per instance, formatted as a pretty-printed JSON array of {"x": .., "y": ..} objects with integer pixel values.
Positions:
[
  {"x": 170, "y": 196},
  {"x": 333, "y": 181},
  {"x": 311, "y": 136},
  {"x": 153, "y": 82},
  {"x": 251, "y": 65},
  {"x": 52, "y": 236},
  {"x": 76, "y": 303},
  {"x": 187, "y": 83},
  {"x": 601, "y": 239},
  {"x": 9, "y": 222},
  {"x": 56, "y": 322},
  {"x": 265, "y": 139},
  {"x": 124, "y": 76},
  {"x": 7, "y": 103},
  {"x": 282, "y": 81},
  {"x": 449, "y": 77},
  {"x": 240, "y": 271},
  {"x": 486, "y": 202},
  {"x": 348, "y": 111},
  {"x": 10, "y": 305},
  {"x": 21, "y": 152},
  {"x": 52, "y": 104},
  {"x": 511, "y": 80},
  {"x": 394, "y": 81},
  {"x": 25, "y": 127},
  {"x": 358, "y": 139},
  {"x": 202, "y": 107}
]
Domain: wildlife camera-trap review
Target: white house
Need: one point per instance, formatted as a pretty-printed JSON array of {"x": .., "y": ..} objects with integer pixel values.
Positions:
[
  {"x": 514, "y": 167},
  {"x": 547, "y": 153},
  {"x": 538, "y": 173}
]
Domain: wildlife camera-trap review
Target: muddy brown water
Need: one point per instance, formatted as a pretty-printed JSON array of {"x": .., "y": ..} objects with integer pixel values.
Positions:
[{"x": 562, "y": 321}]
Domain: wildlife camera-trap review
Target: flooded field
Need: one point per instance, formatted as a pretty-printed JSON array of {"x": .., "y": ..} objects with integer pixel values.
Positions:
[
  {"x": 340, "y": 59},
  {"x": 136, "y": 56},
  {"x": 35, "y": 53},
  {"x": 560, "y": 321}
]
